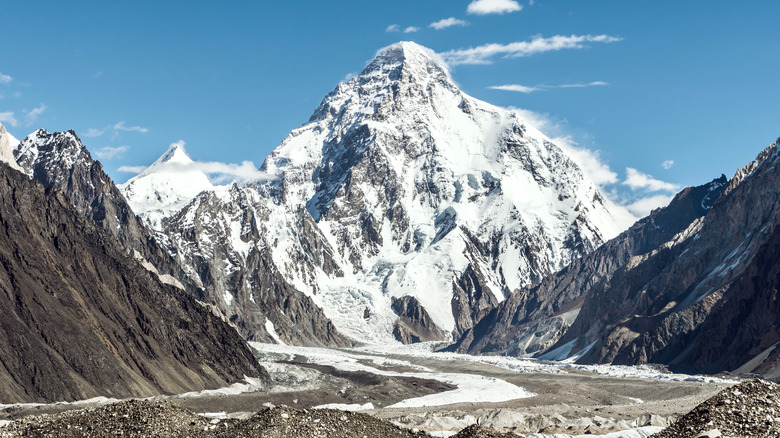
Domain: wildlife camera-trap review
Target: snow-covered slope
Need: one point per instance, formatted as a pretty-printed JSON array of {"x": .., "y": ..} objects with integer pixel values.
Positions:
[
  {"x": 401, "y": 185},
  {"x": 166, "y": 186},
  {"x": 7, "y": 145}
]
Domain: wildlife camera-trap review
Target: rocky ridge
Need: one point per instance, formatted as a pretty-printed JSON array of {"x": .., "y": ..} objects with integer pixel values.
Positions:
[
  {"x": 534, "y": 318},
  {"x": 697, "y": 293},
  {"x": 705, "y": 300},
  {"x": 80, "y": 319},
  {"x": 60, "y": 160}
]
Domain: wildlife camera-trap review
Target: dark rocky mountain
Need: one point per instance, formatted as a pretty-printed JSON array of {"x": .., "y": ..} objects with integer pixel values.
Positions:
[
  {"x": 534, "y": 318},
  {"x": 81, "y": 319},
  {"x": 703, "y": 300},
  {"x": 60, "y": 160}
]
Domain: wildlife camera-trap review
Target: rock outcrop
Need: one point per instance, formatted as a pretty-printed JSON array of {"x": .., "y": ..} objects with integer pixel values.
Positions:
[{"x": 81, "y": 319}]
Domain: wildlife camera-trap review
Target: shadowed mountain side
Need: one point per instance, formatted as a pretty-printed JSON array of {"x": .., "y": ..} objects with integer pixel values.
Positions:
[
  {"x": 80, "y": 319},
  {"x": 534, "y": 308}
]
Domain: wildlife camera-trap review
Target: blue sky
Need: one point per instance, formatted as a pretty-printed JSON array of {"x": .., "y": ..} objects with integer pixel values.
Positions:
[{"x": 663, "y": 93}]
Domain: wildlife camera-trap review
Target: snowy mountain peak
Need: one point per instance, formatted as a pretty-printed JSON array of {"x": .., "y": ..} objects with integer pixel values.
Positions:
[
  {"x": 166, "y": 185},
  {"x": 422, "y": 190},
  {"x": 408, "y": 54}
]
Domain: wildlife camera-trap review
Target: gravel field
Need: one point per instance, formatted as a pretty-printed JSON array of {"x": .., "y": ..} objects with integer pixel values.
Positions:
[{"x": 567, "y": 401}]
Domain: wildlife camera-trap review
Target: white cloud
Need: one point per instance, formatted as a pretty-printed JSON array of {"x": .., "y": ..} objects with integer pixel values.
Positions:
[
  {"x": 667, "y": 164},
  {"x": 225, "y": 172},
  {"x": 638, "y": 180},
  {"x": 515, "y": 87},
  {"x": 448, "y": 22},
  {"x": 32, "y": 115},
  {"x": 97, "y": 74},
  {"x": 484, "y": 54},
  {"x": 132, "y": 169},
  {"x": 588, "y": 84},
  {"x": 8, "y": 117},
  {"x": 121, "y": 127},
  {"x": 4, "y": 79},
  {"x": 484, "y": 7},
  {"x": 643, "y": 206},
  {"x": 111, "y": 152},
  {"x": 527, "y": 90},
  {"x": 393, "y": 28},
  {"x": 411, "y": 29}
]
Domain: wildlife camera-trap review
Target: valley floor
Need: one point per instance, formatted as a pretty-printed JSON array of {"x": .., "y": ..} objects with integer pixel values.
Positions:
[{"x": 442, "y": 393}]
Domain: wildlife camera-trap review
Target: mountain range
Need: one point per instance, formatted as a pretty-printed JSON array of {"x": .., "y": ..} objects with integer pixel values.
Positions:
[{"x": 405, "y": 210}]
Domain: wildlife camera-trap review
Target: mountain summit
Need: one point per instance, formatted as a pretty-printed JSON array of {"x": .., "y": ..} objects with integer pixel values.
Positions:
[
  {"x": 403, "y": 208},
  {"x": 166, "y": 186}
]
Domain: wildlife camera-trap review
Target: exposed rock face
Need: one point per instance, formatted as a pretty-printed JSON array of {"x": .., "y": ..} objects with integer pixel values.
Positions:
[
  {"x": 413, "y": 323},
  {"x": 220, "y": 239},
  {"x": 704, "y": 301},
  {"x": 60, "y": 160},
  {"x": 399, "y": 185},
  {"x": 80, "y": 319},
  {"x": 532, "y": 319}
]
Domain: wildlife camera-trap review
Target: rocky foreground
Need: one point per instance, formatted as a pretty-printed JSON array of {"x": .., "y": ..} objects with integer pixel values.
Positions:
[
  {"x": 750, "y": 409},
  {"x": 141, "y": 418}
]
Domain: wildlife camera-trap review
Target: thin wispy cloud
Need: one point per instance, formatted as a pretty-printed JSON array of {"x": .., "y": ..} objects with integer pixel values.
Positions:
[
  {"x": 122, "y": 127},
  {"x": 484, "y": 54},
  {"x": 667, "y": 164},
  {"x": 4, "y": 79},
  {"x": 642, "y": 181},
  {"x": 527, "y": 90},
  {"x": 32, "y": 115},
  {"x": 448, "y": 22},
  {"x": 97, "y": 74},
  {"x": 411, "y": 29},
  {"x": 94, "y": 132},
  {"x": 132, "y": 169},
  {"x": 485, "y": 7},
  {"x": 7, "y": 117},
  {"x": 393, "y": 28},
  {"x": 111, "y": 152}
]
